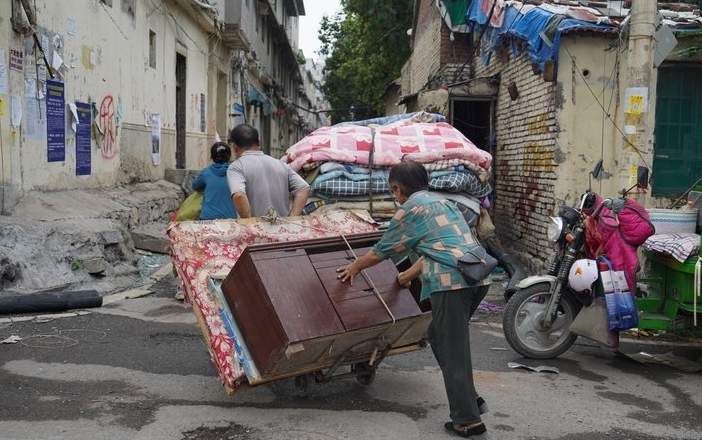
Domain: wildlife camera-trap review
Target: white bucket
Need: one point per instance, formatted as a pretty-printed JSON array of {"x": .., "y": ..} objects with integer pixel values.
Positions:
[{"x": 669, "y": 221}]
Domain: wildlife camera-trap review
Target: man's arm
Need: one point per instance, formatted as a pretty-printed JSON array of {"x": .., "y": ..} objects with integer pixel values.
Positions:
[
  {"x": 300, "y": 190},
  {"x": 237, "y": 187},
  {"x": 241, "y": 203},
  {"x": 299, "y": 201}
]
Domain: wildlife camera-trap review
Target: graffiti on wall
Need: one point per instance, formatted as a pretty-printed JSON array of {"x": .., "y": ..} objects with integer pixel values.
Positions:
[{"x": 108, "y": 128}]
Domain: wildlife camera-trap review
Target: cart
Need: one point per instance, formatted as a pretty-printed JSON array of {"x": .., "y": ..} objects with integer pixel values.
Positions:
[{"x": 356, "y": 352}]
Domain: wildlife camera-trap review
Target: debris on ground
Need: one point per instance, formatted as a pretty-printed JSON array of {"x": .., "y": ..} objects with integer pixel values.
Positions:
[
  {"x": 149, "y": 263},
  {"x": 11, "y": 340},
  {"x": 669, "y": 359},
  {"x": 539, "y": 369},
  {"x": 490, "y": 308}
]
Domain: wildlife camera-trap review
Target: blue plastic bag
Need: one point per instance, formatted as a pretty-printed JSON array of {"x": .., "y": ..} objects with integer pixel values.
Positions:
[{"x": 622, "y": 313}]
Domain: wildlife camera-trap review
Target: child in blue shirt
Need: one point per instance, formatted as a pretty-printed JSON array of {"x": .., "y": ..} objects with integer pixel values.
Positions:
[{"x": 217, "y": 202}]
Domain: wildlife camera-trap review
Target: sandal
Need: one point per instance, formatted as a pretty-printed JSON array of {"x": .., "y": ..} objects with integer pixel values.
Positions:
[{"x": 466, "y": 431}]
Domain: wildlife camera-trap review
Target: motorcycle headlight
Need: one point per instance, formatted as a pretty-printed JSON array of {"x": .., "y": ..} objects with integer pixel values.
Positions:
[{"x": 555, "y": 229}]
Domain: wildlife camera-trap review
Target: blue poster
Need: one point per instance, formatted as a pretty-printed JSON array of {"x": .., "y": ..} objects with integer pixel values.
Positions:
[
  {"x": 55, "y": 121},
  {"x": 83, "y": 146}
]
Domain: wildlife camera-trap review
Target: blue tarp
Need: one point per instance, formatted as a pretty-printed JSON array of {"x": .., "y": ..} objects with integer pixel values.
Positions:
[{"x": 528, "y": 27}]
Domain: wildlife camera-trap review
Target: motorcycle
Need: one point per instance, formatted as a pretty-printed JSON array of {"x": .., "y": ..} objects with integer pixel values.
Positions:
[{"x": 538, "y": 317}]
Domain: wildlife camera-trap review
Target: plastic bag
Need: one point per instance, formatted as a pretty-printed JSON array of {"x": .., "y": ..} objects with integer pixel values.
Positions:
[
  {"x": 622, "y": 313},
  {"x": 190, "y": 208}
]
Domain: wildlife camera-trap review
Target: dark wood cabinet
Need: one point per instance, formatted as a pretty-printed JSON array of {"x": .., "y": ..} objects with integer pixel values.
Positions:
[{"x": 293, "y": 311}]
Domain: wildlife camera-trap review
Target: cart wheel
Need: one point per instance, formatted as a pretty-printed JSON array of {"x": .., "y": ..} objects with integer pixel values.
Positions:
[{"x": 365, "y": 374}]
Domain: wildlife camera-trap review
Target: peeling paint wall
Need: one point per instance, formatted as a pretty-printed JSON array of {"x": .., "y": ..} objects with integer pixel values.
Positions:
[{"x": 106, "y": 62}]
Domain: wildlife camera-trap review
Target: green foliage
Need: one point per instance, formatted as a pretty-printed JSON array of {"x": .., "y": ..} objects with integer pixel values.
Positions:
[
  {"x": 366, "y": 46},
  {"x": 300, "y": 56}
]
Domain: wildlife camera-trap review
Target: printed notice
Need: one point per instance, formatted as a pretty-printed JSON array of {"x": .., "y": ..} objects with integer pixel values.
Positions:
[
  {"x": 55, "y": 121},
  {"x": 636, "y": 100},
  {"x": 83, "y": 146}
]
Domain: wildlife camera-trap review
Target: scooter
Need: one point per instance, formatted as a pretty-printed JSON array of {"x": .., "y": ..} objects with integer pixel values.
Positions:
[{"x": 538, "y": 317}]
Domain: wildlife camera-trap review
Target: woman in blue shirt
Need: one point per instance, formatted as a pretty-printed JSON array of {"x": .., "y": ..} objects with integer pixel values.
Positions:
[{"x": 217, "y": 202}]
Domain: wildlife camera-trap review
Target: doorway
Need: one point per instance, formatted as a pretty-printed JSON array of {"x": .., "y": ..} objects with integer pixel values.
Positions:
[
  {"x": 473, "y": 118},
  {"x": 180, "y": 75}
]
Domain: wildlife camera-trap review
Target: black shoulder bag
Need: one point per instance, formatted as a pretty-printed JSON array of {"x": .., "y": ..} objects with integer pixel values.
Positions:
[{"x": 475, "y": 265}]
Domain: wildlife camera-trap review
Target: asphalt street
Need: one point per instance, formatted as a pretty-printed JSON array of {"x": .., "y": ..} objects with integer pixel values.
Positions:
[{"x": 138, "y": 369}]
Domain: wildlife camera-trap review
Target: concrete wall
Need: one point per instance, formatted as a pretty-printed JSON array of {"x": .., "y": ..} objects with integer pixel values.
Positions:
[
  {"x": 586, "y": 135},
  {"x": 106, "y": 54}
]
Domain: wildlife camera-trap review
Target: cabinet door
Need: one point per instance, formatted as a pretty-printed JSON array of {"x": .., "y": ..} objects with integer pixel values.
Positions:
[
  {"x": 296, "y": 294},
  {"x": 357, "y": 305}
]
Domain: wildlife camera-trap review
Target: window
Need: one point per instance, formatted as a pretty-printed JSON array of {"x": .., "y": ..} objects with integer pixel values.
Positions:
[{"x": 152, "y": 49}]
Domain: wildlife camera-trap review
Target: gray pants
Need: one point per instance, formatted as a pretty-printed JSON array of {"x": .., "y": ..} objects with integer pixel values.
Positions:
[{"x": 449, "y": 337}]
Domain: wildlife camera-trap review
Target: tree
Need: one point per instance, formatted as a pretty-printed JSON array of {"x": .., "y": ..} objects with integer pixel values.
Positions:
[{"x": 366, "y": 45}]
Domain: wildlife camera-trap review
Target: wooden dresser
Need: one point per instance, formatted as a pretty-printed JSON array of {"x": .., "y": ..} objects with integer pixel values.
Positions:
[{"x": 293, "y": 311}]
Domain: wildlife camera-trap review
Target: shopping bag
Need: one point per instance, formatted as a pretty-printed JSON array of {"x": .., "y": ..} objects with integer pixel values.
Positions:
[
  {"x": 621, "y": 307},
  {"x": 190, "y": 208}
]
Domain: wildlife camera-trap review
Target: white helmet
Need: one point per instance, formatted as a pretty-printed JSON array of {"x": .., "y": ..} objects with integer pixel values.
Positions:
[{"x": 582, "y": 275}]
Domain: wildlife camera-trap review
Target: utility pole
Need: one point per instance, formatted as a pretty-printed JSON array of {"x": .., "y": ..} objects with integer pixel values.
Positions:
[{"x": 640, "y": 74}]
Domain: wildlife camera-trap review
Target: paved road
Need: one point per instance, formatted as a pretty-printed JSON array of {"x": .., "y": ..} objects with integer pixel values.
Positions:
[{"x": 139, "y": 370}]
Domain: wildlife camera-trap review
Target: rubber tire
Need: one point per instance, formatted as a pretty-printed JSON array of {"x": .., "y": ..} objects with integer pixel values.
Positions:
[
  {"x": 365, "y": 374},
  {"x": 509, "y": 324}
]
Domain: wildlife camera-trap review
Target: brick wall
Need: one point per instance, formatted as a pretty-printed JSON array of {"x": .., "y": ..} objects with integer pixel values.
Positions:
[
  {"x": 456, "y": 51},
  {"x": 424, "y": 61},
  {"x": 525, "y": 156}
]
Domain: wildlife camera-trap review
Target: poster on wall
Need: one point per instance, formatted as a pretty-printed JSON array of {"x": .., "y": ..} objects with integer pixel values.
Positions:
[
  {"x": 35, "y": 119},
  {"x": 636, "y": 100},
  {"x": 83, "y": 145},
  {"x": 55, "y": 121},
  {"x": 155, "y": 138}
]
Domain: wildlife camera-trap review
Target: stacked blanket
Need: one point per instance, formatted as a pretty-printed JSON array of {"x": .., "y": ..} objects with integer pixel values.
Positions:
[{"x": 348, "y": 164}]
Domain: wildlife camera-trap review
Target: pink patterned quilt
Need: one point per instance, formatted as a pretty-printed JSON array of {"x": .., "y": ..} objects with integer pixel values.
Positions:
[
  {"x": 205, "y": 249},
  {"x": 423, "y": 142}
]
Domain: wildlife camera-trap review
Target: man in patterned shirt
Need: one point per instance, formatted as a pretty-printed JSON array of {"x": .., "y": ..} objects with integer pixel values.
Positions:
[{"x": 433, "y": 229}]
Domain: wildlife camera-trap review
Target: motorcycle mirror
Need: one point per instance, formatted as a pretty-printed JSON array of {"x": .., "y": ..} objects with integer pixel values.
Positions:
[
  {"x": 642, "y": 177},
  {"x": 597, "y": 171}
]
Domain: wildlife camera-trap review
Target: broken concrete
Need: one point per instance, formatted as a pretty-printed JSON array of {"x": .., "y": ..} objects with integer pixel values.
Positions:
[
  {"x": 151, "y": 237},
  {"x": 80, "y": 238}
]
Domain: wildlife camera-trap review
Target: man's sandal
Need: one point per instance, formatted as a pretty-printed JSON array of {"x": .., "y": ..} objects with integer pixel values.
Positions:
[{"x": 466, "y": 430}]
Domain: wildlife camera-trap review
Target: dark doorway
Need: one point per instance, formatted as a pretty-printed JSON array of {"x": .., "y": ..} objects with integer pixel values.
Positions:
[
  {"x": 180, "y": 74},
  {"x": 473, "y": 118}
]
